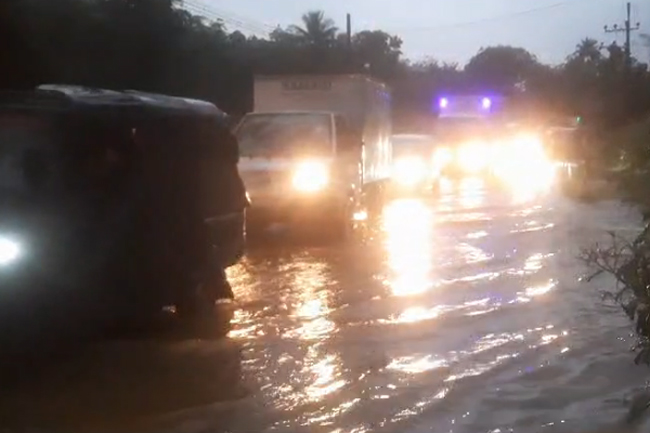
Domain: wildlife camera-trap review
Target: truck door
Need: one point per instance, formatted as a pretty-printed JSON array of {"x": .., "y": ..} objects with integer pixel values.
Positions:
[{"x": 348, "y": 150}]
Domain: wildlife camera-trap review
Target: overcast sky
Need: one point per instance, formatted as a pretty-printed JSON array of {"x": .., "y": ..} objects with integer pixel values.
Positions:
[{"x": 450, "y": 30}]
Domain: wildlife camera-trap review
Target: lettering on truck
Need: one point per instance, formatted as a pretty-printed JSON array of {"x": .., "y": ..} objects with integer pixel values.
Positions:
[{"x": 301, "y": 85}]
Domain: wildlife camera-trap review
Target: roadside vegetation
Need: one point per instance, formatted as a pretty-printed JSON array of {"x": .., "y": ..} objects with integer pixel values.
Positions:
[{"x": 190, "y": 49}]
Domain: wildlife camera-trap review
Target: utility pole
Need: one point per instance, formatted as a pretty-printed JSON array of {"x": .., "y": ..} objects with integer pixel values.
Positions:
[
  {"x": 627, "y": 28},
  {"x": 348, "y": 40},
  {"x": 348, "y": 30}
]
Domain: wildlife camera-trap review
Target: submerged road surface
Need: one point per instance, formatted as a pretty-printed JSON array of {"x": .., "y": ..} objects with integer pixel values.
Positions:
[{"x": 461, "y": 313}]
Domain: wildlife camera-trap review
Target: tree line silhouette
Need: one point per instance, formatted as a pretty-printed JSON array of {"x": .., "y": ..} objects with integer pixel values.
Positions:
[{"x": 159, "y": 46}]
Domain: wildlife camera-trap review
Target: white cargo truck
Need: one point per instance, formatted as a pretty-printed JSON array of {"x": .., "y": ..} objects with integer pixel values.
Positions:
[{"x": 315, "y": 147}]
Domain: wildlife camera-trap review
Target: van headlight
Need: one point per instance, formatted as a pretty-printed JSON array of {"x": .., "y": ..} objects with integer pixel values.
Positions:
[
  {"x": 442, "y": 157},
  {"x": 410, "y": 170},
  {"x": 10, "y": 251},
  {"x": 311, "y": 176},
  {"x": 474, "y": 157}
]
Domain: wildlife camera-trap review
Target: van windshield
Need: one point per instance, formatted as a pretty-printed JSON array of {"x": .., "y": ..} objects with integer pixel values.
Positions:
[
  {"x": 26, "y": 159},
  {"x": 272, "y": 134},
  {"x": 41, "y": 153}
]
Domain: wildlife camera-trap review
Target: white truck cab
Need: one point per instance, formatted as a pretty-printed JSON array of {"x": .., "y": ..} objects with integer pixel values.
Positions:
[{"x": 314, "y": 147}]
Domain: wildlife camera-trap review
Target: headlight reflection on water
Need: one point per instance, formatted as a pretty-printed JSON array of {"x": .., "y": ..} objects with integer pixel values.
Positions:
[{"x": 408, "y": 225}]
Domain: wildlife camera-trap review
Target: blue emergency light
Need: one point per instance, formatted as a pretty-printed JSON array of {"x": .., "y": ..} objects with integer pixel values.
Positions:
[{"x": 482, "y": 103}]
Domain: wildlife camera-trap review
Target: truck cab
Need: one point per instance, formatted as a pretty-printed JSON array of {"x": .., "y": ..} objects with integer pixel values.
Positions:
[
  {"x": 297, "y": 161},
  {"x": 312, "y": 149}
]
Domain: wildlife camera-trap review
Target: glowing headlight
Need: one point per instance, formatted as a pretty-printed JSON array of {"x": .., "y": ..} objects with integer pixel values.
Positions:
[
  {"x": 442, "y": 157},
  {"x": 311, "y": 176},
  {"x": 523, "y": 150},
  {"x": 524, "y": 160},
  {"x": 9, "y": 251},
  {"x": 410, "y": 170},
  {"x": 474, "y": 157},
  {"x": 529, "y": 144}
]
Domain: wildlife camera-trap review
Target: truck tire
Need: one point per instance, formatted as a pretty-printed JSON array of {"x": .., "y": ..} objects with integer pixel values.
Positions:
[
  {"x": 208, "y": 324},
  {"x": 201, "y": 315},
  {"x": 341, "y": 228}
]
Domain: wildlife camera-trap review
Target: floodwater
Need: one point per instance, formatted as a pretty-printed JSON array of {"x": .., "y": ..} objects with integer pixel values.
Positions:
[{"x": 462, "y": 313}]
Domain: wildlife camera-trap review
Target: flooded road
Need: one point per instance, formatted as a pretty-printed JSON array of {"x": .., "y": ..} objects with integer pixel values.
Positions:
[{"x": 461, "y": 313}]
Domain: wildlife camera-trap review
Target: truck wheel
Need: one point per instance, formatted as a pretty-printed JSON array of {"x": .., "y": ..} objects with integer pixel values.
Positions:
[
  {"x": 341, "y": 228},
  {"x": 210, "y": 323},
  {"x": 200, "y": 315},
  {"x": 253, "y": 229}
]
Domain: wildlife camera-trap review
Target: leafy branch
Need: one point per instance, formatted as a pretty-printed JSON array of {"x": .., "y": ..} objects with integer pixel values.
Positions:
[{"x": 629, "y": 264}]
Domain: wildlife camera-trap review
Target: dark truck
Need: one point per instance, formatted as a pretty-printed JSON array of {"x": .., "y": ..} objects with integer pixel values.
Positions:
[{"x": 115, "y": 207}]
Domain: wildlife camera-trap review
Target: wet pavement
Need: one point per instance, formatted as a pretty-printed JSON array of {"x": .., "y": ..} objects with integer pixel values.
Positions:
[{"x": 460, "y": 313}]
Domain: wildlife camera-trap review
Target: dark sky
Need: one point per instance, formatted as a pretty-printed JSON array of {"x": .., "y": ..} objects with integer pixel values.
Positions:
[{"x": 450, "y": 30}]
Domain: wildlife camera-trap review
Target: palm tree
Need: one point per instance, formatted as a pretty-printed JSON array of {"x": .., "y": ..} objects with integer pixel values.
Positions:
[
  {"x": 317, "y": 29},
  {"x": 588, "y": 50}
]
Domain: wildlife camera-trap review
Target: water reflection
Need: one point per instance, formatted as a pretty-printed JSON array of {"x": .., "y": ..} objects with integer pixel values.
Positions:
[
  {"x": 324, "y": 372},
  {"x": 311, "y": 310},
  {"x": 469, "y": 295},
  {"x": 408, "y": 225},
  {"x": 416, "y": 365},
  {"x": 471, "y": 193}
]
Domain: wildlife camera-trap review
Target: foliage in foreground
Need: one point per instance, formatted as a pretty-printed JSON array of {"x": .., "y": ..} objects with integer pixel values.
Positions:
[{"x": 629, "y": 263}]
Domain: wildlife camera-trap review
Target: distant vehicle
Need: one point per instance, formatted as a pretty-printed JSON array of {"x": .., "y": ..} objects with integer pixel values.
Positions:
[
  {"x": 414, "y": 168},
  {"x": 465, "y": 145},
  {"x": 115, "y": 206},
  {"x": 474, "y": 139},
  {"x": 315, "y": 148}
]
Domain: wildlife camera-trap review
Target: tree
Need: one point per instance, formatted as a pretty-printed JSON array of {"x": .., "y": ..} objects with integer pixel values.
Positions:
[
  {"x": 318, "y": 30},
  {"x": 156, "y": 45},
  {"x": 501, "y": 68},
  {"x": 588, "y": 51},
  {"x": 377, "y": 52}
]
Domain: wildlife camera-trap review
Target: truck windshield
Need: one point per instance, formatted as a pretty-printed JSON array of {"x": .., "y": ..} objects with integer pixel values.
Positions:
[
  {"x": 406, "y": 144},
  {"x": 285, "y": 133},
  {"x": 463, "y": 129}
]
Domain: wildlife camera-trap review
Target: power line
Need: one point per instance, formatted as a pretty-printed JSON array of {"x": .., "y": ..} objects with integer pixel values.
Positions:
[
  {"x": 499, "y": 17},
  {"x": 242, "y": 18},
  {"x": 211, "y": 14}
]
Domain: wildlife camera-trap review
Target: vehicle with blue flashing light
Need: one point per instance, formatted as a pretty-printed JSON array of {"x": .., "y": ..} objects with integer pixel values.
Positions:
[
  {"x": 465, "y": 130},
  {"x": 316, "y": 150},
  {"x": 474, "y": 138}
]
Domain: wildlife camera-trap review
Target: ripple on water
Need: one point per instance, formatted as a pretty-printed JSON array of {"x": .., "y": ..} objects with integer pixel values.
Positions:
[{"x": 466, "y": 320}]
